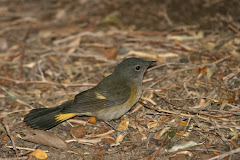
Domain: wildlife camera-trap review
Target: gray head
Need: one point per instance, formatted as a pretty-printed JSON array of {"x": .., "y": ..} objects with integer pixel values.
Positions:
[{"x": 132, "y": 67}]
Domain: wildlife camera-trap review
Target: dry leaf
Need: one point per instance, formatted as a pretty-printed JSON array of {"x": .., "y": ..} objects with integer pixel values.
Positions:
[
  {"x": 210, "y": 72},
  {"x": 38, "y": 153},
  {"x": 230, "y": 100},
  {"x": 159, "y": 134},
  {"x": 152, "y": 124},
  {"x": 85, "y": 141},
  {"x": 5, "y": 138},
  {"x": 61, "y": 14},
  {"x": 180, "y": 133},
  {"x": 233, "y": 143},
  {"x": 78, "y": 132},
  {"x": 45, "y": 138},
  {"x": 30, "y": 65},
  {"x": 123, "y": 126},
  {"x": 216, "y": 153},
  {"x": 136, "y": 108},
  {"x": 183, "y": 123},
  {"x": 142, "y": 130},
  {"x": 99, "y": 155},
  {"x": 149, "y": 100},
  {"x": 102, "y": 130},
  {"x": 163, "y": 118},
  {"x": 195, "y": 36},
  {"x": 234, "y": 133},
  {"x": 170, "y": 86},
  {"x": 161, "y": 91},
  {"x": 202, "y": 102},
  {"x": 108, "y": 140},
  {"x": 92, "y": 120},
  {"x": 204, "y": 70},
  {"x": 75, "y": 42},
  {"x": 110, "y": 53},
  {"x": 138, "y": 137},
  {"x": 183, "y": 153},
  {"x": 183, "y": 146}
]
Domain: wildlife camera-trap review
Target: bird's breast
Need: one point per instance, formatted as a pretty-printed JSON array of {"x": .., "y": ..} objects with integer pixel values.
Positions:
[{"x": 115, "y": 112}]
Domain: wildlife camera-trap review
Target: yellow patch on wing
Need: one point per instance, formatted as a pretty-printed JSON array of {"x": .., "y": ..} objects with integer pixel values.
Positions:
[
  {"x": 63, "y": 117},
  {"x": 99, "y": 96}
]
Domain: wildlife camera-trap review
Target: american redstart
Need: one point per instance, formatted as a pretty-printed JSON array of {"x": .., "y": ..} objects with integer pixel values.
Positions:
[{"x": 109, "y": 99}]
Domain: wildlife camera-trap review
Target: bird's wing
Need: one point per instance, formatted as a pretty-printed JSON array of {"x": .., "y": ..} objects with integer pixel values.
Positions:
[{"x": 99, "y": 97}]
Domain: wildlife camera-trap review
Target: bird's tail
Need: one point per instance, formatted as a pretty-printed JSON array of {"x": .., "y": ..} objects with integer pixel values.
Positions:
[{"x": 46, "y": 118}]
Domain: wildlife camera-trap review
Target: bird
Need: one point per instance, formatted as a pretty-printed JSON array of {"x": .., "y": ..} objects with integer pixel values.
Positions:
[{"x": 111, "y": 98}]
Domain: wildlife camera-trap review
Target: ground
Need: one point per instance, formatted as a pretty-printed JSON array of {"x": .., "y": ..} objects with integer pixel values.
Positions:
[{"x": 190, "y": 107}]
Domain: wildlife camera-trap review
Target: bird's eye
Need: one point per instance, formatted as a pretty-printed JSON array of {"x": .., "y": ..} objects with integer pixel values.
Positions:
[{"x": 137, "y": 68}]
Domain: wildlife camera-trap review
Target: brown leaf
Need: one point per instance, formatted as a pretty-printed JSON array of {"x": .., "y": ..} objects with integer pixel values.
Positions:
[
  {"x": 78, "y": 132},
  {"x": 230, "y": 100},
  {"x": 61, "y": 14},
  {"x": 45, "y": 138},
  {"x": 92, "y": 120},
  {"x": 138, "y": 137},
  {"x": 161, "y": 91},
  {"x": 216, "y": 153},
  {"x": 180, "y": 133},
  {"x": 123, "y": 126},
  {"x": 183, "y": 123},
  {"x": 38, "y": 153},
  {"x": 152, "y": 124},
  {"x": 99, "y": 155},
  {"x": 142, "y": 130},
  {"x": 5, "y": 138},
  {"x": 110, "y": 53},
  {"x": 210, "y": 72},
  {"x": 202, "y": 102},
  {"x": 163, "y": 118},
  {"x": 204, "y": 70},
  {"x": 102, "y": 130},
  {"x": 108, "y": 140}
]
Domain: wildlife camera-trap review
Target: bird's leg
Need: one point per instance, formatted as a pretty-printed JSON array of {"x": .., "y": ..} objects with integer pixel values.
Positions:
[{"x": 115, "y": 128}]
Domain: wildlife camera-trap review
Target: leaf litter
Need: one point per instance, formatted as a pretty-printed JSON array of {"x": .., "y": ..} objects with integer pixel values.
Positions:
[{"x": 190, "y": 105}]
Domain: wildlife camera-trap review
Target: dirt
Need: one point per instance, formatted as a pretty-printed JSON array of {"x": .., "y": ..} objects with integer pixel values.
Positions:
[{"x": 52, "y": 50}]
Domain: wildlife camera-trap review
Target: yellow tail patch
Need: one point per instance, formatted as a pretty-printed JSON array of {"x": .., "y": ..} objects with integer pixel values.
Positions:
[{"x": 63, "y": 117}]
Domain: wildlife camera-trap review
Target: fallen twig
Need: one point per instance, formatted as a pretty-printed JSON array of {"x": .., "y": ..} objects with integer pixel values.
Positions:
[
  {"x": 48, "y": 83},
  {"x": 221, "y": 156},
  {"x": 10, "y": 136}
]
